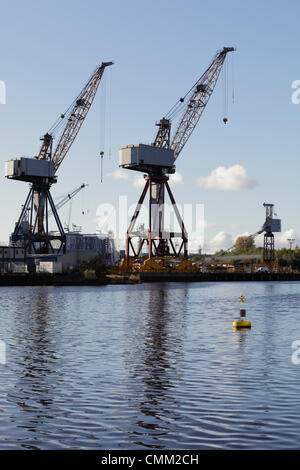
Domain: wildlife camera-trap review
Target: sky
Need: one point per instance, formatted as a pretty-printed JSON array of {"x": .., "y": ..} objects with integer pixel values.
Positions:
[{"x": 159, "y": 49}]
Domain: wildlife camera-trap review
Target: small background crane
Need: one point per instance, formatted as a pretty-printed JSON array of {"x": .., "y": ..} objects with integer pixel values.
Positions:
[
  {"x": 64, "y": 200},
  {"x": 158, "y": 161},
  {"x": 269, "y": 227},
  {"x": 40, "y": 172}
]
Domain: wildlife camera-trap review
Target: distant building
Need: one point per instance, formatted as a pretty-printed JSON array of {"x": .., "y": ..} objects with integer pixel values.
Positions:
[
  {"x": 79, "y": 247},
  {"x": 83, "y": 246}
]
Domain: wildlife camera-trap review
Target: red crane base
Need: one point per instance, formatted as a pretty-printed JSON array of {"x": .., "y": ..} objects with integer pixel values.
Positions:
[{"x": 160, "y": 243}]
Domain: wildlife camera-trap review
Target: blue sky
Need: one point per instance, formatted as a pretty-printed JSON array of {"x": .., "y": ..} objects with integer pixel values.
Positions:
[{"x": 48, "y": 50}]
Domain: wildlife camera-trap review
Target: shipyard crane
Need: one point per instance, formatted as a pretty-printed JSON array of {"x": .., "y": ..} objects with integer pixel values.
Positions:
[
  {"x": 41, "y": 170},
  {"x": 68, "y": 197},
  {"x": 64, "y": 200},
  {"x": 269, "y": 227},
  {"x": 157, "y": 161}
]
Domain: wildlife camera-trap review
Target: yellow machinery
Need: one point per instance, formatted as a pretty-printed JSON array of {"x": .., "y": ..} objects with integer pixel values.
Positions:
[
  {"x": 186, "y": 266},
  {"x": 157, "y": 265}
]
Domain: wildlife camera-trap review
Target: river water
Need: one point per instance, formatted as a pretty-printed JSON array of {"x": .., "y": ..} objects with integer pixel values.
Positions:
[{"x": 150, "y": 366}]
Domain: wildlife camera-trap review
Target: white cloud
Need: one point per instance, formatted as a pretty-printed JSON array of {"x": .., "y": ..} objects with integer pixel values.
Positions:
[
  {"x": 175, "y": 178},
  {"x": 221, "y": 241},
  {"x": 281, "y": 239},
  {"x": 206, "y": 224},
  {"x": 196, "y": 239},
  {"x": 119, "y": 175},
  {"x": 138, "y": 181},
  {"x": 233, "y": 178},
  {"x": 245, "y": 234}
]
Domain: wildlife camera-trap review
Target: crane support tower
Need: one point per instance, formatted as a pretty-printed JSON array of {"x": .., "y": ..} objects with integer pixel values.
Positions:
[
  {"x": 40, "y": 172},
  {"x": 270, "y": 226},
  {"x": 158, "y": 161}
]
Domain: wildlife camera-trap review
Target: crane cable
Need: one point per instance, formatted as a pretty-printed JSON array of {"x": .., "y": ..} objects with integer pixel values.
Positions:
[
  {"x": 232, "y": 77},
  {"x": 103, "y": 130},
  {"x": 225, "y": 93},
  {"x": 180, "y": 104},
  {"x": 109, "y": 108},
  {"x": 226, "y": 88},
  {"x": 105, "y": 116}
]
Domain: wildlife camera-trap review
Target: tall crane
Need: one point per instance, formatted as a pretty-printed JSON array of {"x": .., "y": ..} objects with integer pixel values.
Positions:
[
  {"x": 41, "y": 170},
  {"x": 158, "y": 161}
]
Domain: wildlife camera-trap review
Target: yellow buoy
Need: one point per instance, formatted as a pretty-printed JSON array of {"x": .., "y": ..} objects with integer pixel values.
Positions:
[{"x": 242, "y": 322}]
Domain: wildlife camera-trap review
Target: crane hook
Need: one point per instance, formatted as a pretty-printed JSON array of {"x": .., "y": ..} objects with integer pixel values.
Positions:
[
  {"x": 101, "y": 155},
  {"x": 225, "y": 120}
]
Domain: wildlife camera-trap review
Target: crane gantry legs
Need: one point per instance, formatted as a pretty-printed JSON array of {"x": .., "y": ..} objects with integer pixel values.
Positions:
[
  {"x": 32, "y": 229},
  {"x": 160, "y": 243},
  {"x": 269, "y": 247}
]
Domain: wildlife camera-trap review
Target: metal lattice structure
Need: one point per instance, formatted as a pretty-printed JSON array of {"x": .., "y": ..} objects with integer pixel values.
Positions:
[
  {"x": 36, "y": 238},
  {"x": 271, "y": 225}
]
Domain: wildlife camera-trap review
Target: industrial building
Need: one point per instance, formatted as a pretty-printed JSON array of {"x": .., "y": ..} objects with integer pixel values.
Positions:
[{"x": 79, "y": 247}]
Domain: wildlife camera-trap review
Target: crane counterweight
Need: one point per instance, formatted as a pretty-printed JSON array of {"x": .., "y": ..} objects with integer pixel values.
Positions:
[{"x": 146, "y": 158}]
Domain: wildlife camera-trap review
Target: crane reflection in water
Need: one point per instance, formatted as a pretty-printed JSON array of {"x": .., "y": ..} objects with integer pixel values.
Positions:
[{"x": 152, "y": 357}]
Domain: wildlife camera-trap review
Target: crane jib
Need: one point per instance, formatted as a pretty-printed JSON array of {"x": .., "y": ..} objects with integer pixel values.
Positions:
[
  {"x": 198, "y": 96},
  {"x": 73, "y": 117}
]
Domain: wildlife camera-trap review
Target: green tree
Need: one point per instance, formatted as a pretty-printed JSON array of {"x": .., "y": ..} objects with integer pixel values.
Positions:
[{"x": 96, "y": 264}]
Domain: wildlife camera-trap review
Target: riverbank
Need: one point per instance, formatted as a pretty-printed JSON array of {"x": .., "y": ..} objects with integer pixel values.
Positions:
[
  {"x": 218, "y": 277},
  {"x": 43, "y": 279}
]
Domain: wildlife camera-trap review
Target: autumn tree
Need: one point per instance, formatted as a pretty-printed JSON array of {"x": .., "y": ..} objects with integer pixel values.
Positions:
[{"x": 244, "y": 244}]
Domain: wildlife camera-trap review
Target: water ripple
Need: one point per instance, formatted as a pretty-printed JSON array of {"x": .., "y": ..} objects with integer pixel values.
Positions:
[{"x": 149, "y": 367}]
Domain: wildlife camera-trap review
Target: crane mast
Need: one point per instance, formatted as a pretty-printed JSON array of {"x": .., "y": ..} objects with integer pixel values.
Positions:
[
  {"x": 41, "y": 173},
  {"x": 158, "y": 161}
]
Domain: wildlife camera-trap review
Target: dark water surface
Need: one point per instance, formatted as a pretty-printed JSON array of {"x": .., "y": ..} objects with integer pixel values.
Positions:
[{"x": 149, "y": 366}]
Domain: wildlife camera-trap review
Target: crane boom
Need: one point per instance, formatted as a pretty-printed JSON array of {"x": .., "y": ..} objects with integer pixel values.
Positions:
[
  {"x": 67, "y": 198},
  {"x": 198, "y": 101},
  {"x": 198, "y": 98},
  {"x": 74, "y": 117}
]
